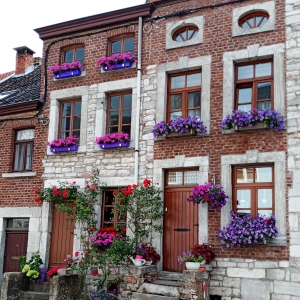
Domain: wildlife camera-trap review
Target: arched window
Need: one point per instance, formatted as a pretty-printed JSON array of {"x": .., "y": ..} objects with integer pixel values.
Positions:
[
  {"x": 185, "y": 33},
  {"x": 254, "y": 20}
]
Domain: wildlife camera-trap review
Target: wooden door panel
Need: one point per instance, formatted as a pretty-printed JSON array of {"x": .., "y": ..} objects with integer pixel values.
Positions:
[
  {"x": 15, "y": 246},
  {"x": 62, "y": 238},
  {"x": 180, "y": 227}
]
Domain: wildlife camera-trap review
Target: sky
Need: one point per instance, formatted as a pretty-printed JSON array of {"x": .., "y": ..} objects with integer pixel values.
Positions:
[{"x": 19, "y": 18}]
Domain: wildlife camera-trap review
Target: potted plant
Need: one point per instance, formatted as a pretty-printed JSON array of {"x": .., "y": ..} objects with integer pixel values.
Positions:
[
  {"x": 151, "y": 256},
  {"x": 113, "y": 140},
  {"x": 192, "y": 261},
  {"x": 66, "y": 70},
  {"x": 179, "y": 127},
  {"x": 104, "y": 237},
  {"x": 255, "y": 119},
  {"x": 34, "y": 269},
  {"x": 213, "y": 194},
  {"x": 116, "y": 61},
  {"x": 245, "y": 230},
  {"x": 207, "y": 252},
  {"x": 64, "y": 145},
  {"x": 139, "y": 252}
]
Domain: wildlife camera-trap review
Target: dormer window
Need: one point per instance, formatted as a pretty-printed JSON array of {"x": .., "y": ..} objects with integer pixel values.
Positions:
[
  {"x": 185, "y": 33},
  {"x": 254, "y": 20}
]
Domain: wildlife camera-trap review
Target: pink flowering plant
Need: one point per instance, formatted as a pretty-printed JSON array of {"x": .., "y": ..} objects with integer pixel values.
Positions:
[
  {"x": 213, "y": 194},
  {"x": 65, "y": 67},
  {"x": 104, "y": 238},
  {"x": 117, "y": 58},
  {"x": 112, "y": 138},
  {"x": 68, "y": 141}
]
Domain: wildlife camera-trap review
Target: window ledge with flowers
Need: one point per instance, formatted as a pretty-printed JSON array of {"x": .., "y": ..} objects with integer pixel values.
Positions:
[
  {"x": 253, "y": 120},
  {"x": 117, "y": 62},
  {"x": 113, "y": 140},
  {"x": 67, "y": 70},
  {"x": 64, "y": 145},
  {"x": 179, "y": 128}
]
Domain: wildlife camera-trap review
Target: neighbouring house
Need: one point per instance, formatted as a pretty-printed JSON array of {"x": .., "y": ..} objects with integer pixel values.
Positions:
[
  {"x": 23, "y": 138},
  {"x": 196, "y": 60}
]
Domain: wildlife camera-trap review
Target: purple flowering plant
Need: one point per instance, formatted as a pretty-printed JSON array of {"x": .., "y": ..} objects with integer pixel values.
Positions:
[
  {"x": 180, "y": 125},
  {"x": 68, "y": 141},
  {"x": 244, "y": 230},
  {"x": 140, "y": 251},
  {"x": 112, "y": 138},
  {"x": 188, "y": 256},
  {"x": 213, "y": 194},
  {"x": 65, "y": 67},
  {"x": 110, "y": 61},
  {"x": 271, "y": 119}
]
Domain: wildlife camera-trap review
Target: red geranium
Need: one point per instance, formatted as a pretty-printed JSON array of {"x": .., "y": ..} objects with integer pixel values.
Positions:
[
  {"x": 146, "y": 182},
  {"x": 95, "y": 273},
  {"x": 65, "y": 194}
]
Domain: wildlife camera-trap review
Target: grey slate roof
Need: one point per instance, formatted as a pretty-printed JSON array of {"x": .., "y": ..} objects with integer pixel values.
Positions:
[{"x": 26, "y": 87}]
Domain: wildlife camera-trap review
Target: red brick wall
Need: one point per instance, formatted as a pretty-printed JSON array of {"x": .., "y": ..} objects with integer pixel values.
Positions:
[{"x": 23, "y": 61}]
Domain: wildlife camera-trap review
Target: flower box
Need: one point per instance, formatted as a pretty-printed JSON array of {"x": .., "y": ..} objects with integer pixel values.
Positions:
[
  {"x": 117, "y": 66},
  {"x": 114, "y": 145},
  {"x": 64, "y": 149},
  {"x": 178, "y": 135},
  {"x": 67, "y": 74},
  {"x": 256, "y": 126}
]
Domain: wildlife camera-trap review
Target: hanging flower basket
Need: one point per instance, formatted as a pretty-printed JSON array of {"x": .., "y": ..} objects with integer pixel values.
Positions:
[
  {"x": 113, "y": 140},
  {"x": 67, "y": 74},
  {"x": 209, "y": 193}
]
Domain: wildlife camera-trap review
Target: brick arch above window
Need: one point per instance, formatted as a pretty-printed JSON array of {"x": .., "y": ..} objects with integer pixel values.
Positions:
[{"x": 122, "y": 31}]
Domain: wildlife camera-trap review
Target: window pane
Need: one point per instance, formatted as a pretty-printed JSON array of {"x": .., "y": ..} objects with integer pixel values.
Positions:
[
  {"x": 63, "y": 135},
  {"x": 116, "y": 47},
  {"x": 128, "y": 45},
  {"x": 258, "y": 19},
  {"x": 177, "y": 82},
  {"x": 193, "y": 99},
  {"x": 176, "y": 102},
  {"x": 29, "y": 156},
  {"x": 265, "y": 212},
  {"x": 264, "y": 198},
  {"x": 244, "y": 107},
  {"x": 109, "y": 198},
  {"x": 266, "y": 105},
  {"x": 244, "y": 175},
  {"x": 126, "y": 129},
  {"x": 76, "y": 122},
  {"x": 194, "y": 113},
  {"x": 263, "y": 69},
  {"x": 243, "y": 212},
  {"x": 264, "y": 90},
  {"x": 263, "y": 174},
  {"x": 264, "y": 21},
  {"x": 191, "y": 177},
  {"x": 65, "y": 124},
  {"x": 76, "y": 133},
  {"x": 175, "y": 178},
  {"x": 193, "y": 79},
  {"x": 108, "y": 214},
  {"x": 126, "y": 117},
  {"x": 243, "y": 199},
  {"x": 19, "y": 157},
  {"x": 190, "y": 33},
  {"x": 113, "y": 129},
  {"x": 114, "y": 118},
  {"x": 245, "y": 25},
  {"x": 175, "y": 115},
  {"x": 77, "y": 108},
  {"x": 66, "y": 109},
  {"x": 245, "y": 95},
  {"x": 27, "y": 134},
  {"x": 79, "y": 54},
  {"x": 18, "y": 223},
  {"x": 179, "y": 38},
  {"x": 245, "y": 72},
  {"x": 127, "y": 101},
  {"x": 114, "y": 102},
  {"x": 251, "y": 21},
  {"x": 69, "y": 56}
]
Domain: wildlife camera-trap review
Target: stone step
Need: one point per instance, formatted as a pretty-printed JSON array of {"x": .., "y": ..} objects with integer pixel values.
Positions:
[
  {"x": 138, "y": 296},
  {"x": 161, "y": 288},
  {"x": 171, "y": 276},
  {"x": 40, "y": 287},
  {"x": 35, "y": 296}
]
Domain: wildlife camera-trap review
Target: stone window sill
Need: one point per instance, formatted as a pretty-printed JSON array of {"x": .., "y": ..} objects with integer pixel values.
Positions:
[
  {"x": 18, "y": 174},
  {"x": 83, "y": 74}
]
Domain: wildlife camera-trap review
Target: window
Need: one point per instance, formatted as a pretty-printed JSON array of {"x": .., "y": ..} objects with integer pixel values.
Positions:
[
  {"x": 23, "y": 154},
  {"x": 182, "y": 177},
  {"x": 253, "y": 190},
  {"x": 254, "y": 85},
  {"x": 184, "y": 95},
  {"x": 74, "y": 53},
  {"x": 111, "y": 218},
  {"x": 119, "y": 112},
  {"x": 122, "y": 45},
  {"x": 185, "y": 33},
  {"x": 70, "y": 118},
  {"x": 254, "y": 20}
]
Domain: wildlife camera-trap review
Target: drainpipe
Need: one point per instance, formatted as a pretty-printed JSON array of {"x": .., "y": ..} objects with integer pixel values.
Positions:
[{"x": 138, "y": 103}]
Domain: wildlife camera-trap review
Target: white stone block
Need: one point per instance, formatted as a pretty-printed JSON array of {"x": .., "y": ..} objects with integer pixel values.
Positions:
[
  {"x": 255, "y": 289},
  {"x": 295, "y": 277},
  {"x": 226, "y": 264},
  {"x": 295, "y": 251},
  {"x": 294, "y": 222},
  {"x": 284, "y": 264},
  {"x": 232, "y": 282},
  {"x": 266, "y": 264},
  {"x": 295, "y": 238},
  {"x": 294, "y": 203},
  {"x": 275, "y": 274},
  {"x": 246, "y": 273},
  {"x": 280, "y": 297},
  {"x": 287, "y": 288}
]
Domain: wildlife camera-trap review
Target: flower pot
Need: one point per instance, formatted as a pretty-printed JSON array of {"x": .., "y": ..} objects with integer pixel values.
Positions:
[
  {"x": 67, "y": 74},
  {"x": 42, "y": 275},
  {"x": 64, "y": 149},
  {"x": 175, "y": 134},
  {"x": 104, "y": 247},
  {"x": 192, "y": 265},
  {"x": 148, "y": 262},
  {"x": 114, "y": 145},
  {"x": 256, "y": 126},
  {"x": 124, "y": 64},
  {"x": 139, "y": 256}
]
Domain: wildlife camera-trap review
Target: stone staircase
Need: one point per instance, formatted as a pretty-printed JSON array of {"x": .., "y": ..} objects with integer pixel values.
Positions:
[
  {"x": 37, "y": 291},
  {"x": 167, "y": 286}
]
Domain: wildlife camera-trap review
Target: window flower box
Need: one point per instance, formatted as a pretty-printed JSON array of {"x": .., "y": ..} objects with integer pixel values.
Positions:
[
  {"x": 117, "y": 66},
  {"x": 64, "y": 149},
  {"x": 116, "y": 61},
  {"x": 255, "y": 126},
  {"x": 177, "y": 134},
  {"x": 114, "y": 145},
  {"x": 113, "y": 140},
  {"x": 67, "y": 74},
  {"x": 64, "y": 145},
  {"x": 66, "y": 70}
]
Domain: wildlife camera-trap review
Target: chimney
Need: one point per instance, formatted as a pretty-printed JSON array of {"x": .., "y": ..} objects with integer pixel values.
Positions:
[
  {"x": 24, "y": 59},
  {"x": 37, "y": 61}
]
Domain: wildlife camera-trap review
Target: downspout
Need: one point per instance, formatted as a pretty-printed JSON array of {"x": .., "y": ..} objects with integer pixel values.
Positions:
[{"x": 138, "y": 103}]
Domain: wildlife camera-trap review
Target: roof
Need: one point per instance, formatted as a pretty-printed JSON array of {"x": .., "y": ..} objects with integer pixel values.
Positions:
[
  {"x": 5, "y": 75},
  {"x": 24, "y": 90}
]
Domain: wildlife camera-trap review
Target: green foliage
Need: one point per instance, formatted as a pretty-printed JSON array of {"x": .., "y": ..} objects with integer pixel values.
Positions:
[{"x": 32, "y": 268}]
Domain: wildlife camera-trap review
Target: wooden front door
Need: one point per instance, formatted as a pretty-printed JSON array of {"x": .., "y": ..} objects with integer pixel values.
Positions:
[
  {"x": 15, "y": 244},
  {"x": 62, "y": 238},
  {"x": 181, "y": 218}
]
